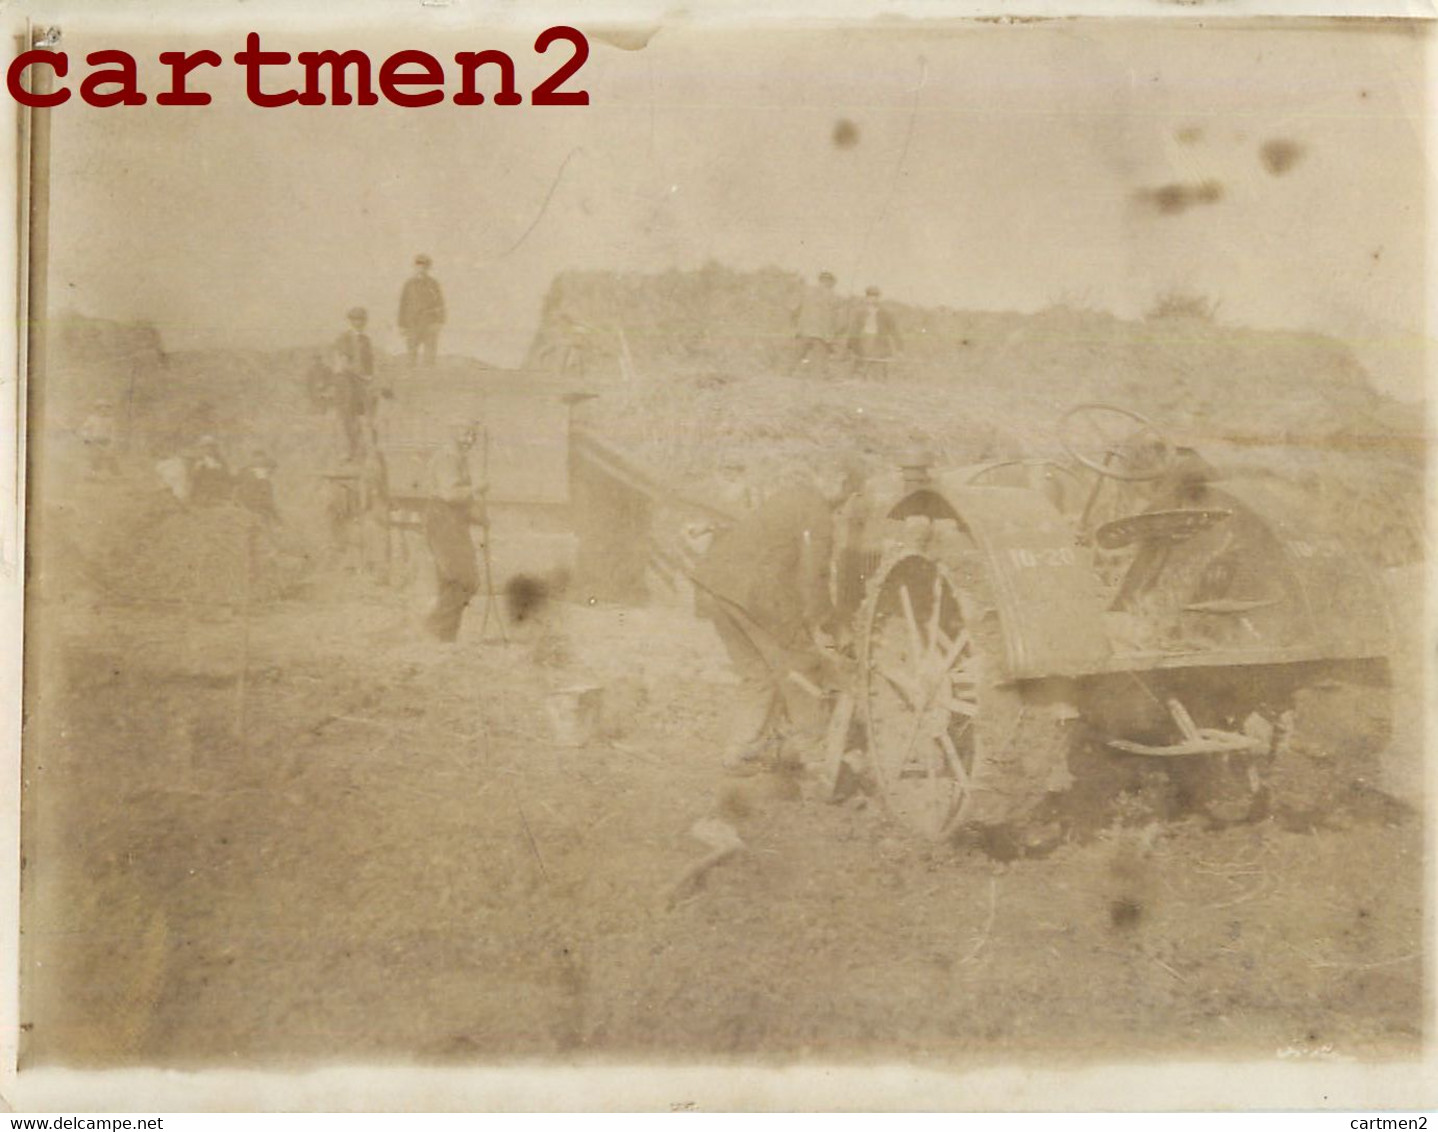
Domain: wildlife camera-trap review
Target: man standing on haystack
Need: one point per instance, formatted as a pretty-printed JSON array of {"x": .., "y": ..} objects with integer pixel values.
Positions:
[
  {"x": 453, "y": 499},
  {"x": 765, "y": 586},
  {"x": 873, "y": 337},
  {"x": 816, "y": 325},
  {"x": 421, "y": 313}
]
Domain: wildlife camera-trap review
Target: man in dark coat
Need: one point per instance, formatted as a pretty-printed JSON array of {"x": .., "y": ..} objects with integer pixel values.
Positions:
[
  {"x": 765, "y": 586},
  {"x": 817, "y": 323},
  {"x": 352, "y": 362},
  {"x": 874, "y": 338},
  {"x": 453, "y": 497},
  {"x": 421, "y": 312}
]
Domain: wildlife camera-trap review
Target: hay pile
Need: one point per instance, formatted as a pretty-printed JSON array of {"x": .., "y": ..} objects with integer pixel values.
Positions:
[
  {"x": 209, "y": 556},
  {"x": 704, "y": 385},
  {"x": 120, "y": 544},
  {"x": 690, "y": 427},
  {"x": 718, "y": 323}
]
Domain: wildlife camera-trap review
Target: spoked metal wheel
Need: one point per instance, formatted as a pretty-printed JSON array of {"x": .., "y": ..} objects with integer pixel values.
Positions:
[
  {"x": 920, "y": 675},
  {"x": 952, "y": 743}
]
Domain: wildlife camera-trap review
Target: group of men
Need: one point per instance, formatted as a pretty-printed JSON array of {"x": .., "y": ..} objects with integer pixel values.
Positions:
[
  {"x": 827, "y": 329},
  {"x": 356, "y": 389},
  {"x": 765, "y": 581},
  {"x": 201, "y": 477},
  {"x": 455, "y": 501}
]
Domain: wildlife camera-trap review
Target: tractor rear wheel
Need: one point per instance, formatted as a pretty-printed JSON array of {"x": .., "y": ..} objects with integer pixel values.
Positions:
[{"x": 951, "y": 744}]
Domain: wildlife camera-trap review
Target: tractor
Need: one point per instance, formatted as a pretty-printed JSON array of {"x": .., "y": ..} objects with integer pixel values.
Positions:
[{"x": 1125, "y": 590}]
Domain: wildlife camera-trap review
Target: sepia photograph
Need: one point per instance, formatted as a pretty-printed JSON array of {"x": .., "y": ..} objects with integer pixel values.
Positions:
[{"x": 787, "y": 544}]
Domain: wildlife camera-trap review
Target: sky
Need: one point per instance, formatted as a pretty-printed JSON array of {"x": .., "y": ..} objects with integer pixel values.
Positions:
[{"x": 1278, "y": 171}]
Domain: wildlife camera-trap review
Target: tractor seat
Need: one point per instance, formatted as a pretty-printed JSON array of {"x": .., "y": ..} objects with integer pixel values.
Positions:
[{"x": 1171, "y": 526}]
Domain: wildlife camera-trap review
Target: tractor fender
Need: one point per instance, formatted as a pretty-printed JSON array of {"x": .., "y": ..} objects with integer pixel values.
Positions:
[
  {"x": 1045, "y": 588},
  {"x": 1345, "y": 606}
]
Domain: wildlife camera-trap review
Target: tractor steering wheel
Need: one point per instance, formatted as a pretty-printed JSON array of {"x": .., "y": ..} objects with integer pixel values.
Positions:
[{"x": 1117, "y": 443}]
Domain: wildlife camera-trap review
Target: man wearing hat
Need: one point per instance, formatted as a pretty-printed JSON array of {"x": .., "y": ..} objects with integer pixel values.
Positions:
[
  {"x": 816, "y": 325},
  {"x": 873, "y": 337},
  {"x": 421, "y": 312},
  {"x": 453, "y": 499},
  {"x": 352, "y": 361}
]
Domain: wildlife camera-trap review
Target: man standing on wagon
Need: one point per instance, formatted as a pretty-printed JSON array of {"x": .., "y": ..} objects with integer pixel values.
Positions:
[
  {"x": 421, "y": 313},
  {"x": 453, "y": 498}
]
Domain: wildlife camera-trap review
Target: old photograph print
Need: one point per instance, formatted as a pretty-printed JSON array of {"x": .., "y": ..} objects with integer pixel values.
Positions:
[{"x": 874, "y": 542}]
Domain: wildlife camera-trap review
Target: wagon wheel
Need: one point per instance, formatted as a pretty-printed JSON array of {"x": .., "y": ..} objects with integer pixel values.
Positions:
[{"x": 950, "y": 745}]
